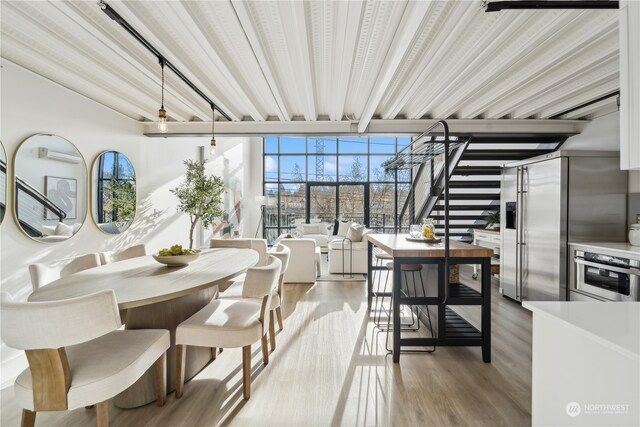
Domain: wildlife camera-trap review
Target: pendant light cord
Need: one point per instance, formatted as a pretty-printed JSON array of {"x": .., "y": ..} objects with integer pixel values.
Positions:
[
  {"x": 213, "y": 122},
  {"x": 162, "y": 72}
]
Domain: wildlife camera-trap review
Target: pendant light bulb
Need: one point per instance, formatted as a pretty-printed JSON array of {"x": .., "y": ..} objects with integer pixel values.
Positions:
[
  {"x": 212, "y": 150},
  {"x": 162, "y": 122}
]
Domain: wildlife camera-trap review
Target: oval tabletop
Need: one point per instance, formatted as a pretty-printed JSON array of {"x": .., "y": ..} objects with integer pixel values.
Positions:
[{"x": 142, "y": 281}]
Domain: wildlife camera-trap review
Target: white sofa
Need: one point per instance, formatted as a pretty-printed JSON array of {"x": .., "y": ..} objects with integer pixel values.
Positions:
[
  {"x": 302, "y": 262},
  {"x": 319, "y": 232}
]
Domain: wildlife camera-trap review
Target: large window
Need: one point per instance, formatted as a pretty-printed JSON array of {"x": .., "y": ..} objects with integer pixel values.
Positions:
[{"x": 294, "y": 166}]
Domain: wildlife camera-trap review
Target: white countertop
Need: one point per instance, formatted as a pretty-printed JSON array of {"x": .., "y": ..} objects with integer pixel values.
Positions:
[
  {"x": 612, "y": 248},
  {"x": 612, "y": 324}
]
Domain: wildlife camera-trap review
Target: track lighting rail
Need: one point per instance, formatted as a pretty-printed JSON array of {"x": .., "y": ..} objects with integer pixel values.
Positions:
[
  {"x": 497, "y": 6},
  {"x": 111, "y": 13}
]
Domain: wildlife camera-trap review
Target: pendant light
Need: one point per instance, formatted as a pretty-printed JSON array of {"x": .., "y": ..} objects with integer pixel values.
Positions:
[
  {"x": 213, "y": 131},
  {"x": 162, "y": 113}
]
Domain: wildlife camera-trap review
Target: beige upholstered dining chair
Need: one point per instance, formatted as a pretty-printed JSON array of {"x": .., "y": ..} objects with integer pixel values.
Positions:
[
  {"x": 44, "y": 273},
  {"x": 77, "y": 356},
  {"x": 258, "y": 245},
  {"x": 235, "y": 291},
  {"x": 122, "y": 254},
  {"x": 232, "y": 323}
]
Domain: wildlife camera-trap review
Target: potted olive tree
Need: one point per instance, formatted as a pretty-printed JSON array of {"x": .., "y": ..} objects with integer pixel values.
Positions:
[{"x": 199, "y": 195}]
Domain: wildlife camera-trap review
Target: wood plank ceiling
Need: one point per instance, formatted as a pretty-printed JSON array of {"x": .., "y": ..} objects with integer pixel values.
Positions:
[{"x": 316, "y": 60}]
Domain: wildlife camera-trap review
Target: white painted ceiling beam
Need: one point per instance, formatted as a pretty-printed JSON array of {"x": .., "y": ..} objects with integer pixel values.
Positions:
[
  {"x": 296, "y": 29},
  {"x": 25, "y": 56},
  {"x": 254, "y": 41},
  {"x": 601, "y": 107},
  {"x": 378, "y": 127},
  {"x": 498, "y": 53},
  {"x": 609, "y": 85},
  {"x": 449, "y": 20},
  {"x": 491, "y": 71},
  {"x": 127, "y": 11},
  {"x": 413, "y": 15},
  {"x": 556, "y": 79},
  {"x": 124, "y": 62},
  {"x": 348, "y": 15},
  {"x": 75, "y": 64},
  {"x": 563, "y": 53},
  {"x": 208, "y": 59},
  {"x": 585, "y": 83}
]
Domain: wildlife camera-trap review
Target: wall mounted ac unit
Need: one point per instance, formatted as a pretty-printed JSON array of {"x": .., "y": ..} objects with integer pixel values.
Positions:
[{"x": 45, "y": 153}]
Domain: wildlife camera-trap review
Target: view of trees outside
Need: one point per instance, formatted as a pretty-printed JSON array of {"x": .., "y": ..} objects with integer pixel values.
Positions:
[{"x": 292, "y": 162}]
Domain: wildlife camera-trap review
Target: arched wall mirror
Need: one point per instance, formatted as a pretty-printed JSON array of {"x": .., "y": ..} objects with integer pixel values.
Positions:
[
  {"x": 114, "y": 192},
  {"x": 50, "y": 188},
  {"x": 3, "y": 182}
]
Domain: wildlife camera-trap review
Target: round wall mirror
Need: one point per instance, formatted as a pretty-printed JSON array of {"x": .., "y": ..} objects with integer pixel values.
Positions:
[
  {"x": 114, "y": 192},
  {"x": 3, "y": 182},
  {"x": 50, "y": 185}
]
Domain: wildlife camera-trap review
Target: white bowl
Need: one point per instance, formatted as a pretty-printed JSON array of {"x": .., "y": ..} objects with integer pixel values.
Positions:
[{"x": 176, "y": 260}]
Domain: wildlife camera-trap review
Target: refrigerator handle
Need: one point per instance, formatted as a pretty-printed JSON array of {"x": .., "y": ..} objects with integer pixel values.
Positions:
[
  {"x": 524, "y": 187},
  {"x": 518, "y": 227}
]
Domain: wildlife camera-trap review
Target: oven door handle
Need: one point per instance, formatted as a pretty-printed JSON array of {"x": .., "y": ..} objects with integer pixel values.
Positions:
[{"x": 607, "y": 267}]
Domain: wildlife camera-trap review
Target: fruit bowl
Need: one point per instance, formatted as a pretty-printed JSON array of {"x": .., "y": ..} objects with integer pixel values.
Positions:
[{"x": 176, "y": 260}]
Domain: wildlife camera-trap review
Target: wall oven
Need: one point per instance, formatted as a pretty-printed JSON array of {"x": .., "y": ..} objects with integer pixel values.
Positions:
[{"x": 605, "y": 276}]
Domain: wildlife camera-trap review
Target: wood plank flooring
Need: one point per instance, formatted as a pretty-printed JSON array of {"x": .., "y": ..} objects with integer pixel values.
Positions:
[{"x": 330, "y": 368}]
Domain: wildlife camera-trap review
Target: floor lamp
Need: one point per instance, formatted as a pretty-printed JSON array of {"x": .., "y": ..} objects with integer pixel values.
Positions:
[{"x": 262, "y": 201}]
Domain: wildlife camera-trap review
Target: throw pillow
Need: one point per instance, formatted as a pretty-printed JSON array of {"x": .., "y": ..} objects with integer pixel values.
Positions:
[
  {"x": 355, "y": 233},
  {"x": 343, "y": 228},
  {"x": 64, "y": 230},
  {"x": 48, "y": 230},
  {"x": 336, "y": 224},
  {"x": 312, "y": 229}
]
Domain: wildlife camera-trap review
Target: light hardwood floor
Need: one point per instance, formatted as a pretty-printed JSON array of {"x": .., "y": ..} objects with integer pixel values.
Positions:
[{"x": 330, "y": 368}]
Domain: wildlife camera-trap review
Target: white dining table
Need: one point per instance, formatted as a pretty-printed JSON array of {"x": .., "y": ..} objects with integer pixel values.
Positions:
[{"x": 156, "y": 296}]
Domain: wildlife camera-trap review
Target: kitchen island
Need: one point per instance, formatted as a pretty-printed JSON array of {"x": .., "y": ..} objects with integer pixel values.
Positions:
[
  {"x": 452, "y": 329},
  {"x": 586, "y": 363}
]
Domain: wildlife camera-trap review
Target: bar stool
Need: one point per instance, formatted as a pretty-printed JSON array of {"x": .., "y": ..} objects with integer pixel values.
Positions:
[
  {"x": 414, "y": 269},
  {"x": 381, "y": 256}
]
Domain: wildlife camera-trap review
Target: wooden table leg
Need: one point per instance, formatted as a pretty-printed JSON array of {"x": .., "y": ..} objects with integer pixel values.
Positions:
[{"x": 166, "y": 315}]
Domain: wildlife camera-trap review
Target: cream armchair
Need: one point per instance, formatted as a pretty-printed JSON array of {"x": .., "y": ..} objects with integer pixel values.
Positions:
[
  {"x": 232, "y": 323},
  {"x": 77, "y": 356},
  {"x": 302, "y": 262}
]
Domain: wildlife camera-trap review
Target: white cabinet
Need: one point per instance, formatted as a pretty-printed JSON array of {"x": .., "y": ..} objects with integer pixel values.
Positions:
[{"x": 629, "y": 84}]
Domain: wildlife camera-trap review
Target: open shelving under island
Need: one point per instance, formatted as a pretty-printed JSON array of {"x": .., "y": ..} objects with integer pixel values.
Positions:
[{"x": 452, "y": 329}]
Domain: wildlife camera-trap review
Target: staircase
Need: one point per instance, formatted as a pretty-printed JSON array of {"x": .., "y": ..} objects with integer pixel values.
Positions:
[{"x": 475, "y": 181}]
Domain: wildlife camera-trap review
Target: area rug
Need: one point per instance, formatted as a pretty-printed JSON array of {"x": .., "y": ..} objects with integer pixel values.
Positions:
[
  {"x": 325, "y": 276},
  {"x": 328, "y": 277}
]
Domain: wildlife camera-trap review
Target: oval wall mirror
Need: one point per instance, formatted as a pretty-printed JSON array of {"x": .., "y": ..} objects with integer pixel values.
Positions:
[
  {"x": 50, "y": 185},
  {"x": 3, "y": 182},
  {"x": 114, "y": 192}
]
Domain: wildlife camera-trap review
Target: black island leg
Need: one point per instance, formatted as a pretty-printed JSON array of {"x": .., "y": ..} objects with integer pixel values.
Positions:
[
  {"x": 396, "y": 309},
  {"x": 486, "y": 310},
  {"x": 369, "y": 274}
]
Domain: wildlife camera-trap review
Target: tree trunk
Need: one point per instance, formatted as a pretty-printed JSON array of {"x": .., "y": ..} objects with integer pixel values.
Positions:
[{"x": 193, "y": 227}]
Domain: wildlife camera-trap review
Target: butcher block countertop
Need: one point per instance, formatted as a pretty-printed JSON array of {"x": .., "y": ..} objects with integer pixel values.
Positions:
[{"x": 397, "y": 245}]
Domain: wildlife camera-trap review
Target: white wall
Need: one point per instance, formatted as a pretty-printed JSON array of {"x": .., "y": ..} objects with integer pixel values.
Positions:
[
  {"x": 31, "y": 104},
  {"x": 602, "y": 134}
]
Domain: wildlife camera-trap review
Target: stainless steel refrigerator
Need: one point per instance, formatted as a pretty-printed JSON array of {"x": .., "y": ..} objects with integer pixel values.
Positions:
[{"x": 548, "y": 201}]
